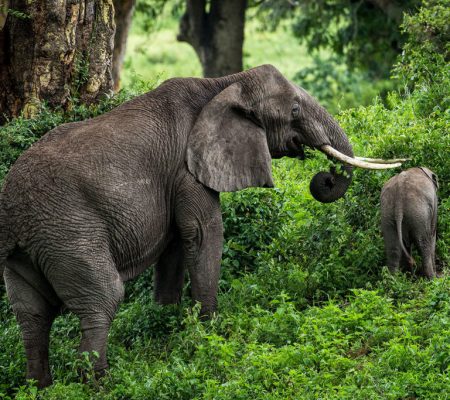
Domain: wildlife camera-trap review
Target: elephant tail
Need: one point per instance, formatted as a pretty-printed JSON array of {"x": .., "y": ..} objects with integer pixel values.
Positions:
[
  {"x": 399, "y": 220},
  {"x": 7, "y": 242}
]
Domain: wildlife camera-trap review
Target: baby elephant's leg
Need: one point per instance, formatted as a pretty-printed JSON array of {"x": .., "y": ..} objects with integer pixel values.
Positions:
[
  {"x": 426, "y": 246},
  {"x": 392, "y": 247}
]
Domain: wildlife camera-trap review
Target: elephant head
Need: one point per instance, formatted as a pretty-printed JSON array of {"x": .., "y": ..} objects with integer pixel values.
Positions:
[{"x": 259, "y": 116}]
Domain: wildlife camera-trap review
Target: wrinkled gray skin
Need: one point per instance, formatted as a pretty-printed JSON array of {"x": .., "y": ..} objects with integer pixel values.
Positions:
[
  {"x": 409, "y": 217},
  {"x": 94, "y": 203}
]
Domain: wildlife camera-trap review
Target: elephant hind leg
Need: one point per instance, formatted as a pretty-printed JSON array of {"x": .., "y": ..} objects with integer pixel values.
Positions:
[
  {"x": 393, "y": 249},
  {"x": 94, "y": 337},
  {"x": 426, "y": 247},
  {"x": 92, "y": 289},
  {"x": 169, "y": 274},
  {"x": 406, "y": 260},
  {"x": 35, "y": 316}
]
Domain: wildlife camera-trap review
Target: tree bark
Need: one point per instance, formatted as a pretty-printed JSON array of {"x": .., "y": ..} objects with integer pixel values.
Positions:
[
  {"x": 124, "y": 10},
  {"x": 4, "y": 5},
  {"x": 390, "y": 8},
  {"x": 216, "y": 35},
  {"x": 52, "y": 51}
]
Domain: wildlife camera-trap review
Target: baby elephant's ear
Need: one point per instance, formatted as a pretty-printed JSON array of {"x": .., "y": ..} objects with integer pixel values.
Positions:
[
  {"x": 227, "y": 150},
  {"x": 432, "y": 176},
  {"x": 435, "y": 180}
]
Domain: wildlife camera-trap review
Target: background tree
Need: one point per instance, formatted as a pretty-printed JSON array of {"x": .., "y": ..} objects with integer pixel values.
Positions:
[
  {"x": 365, "y": 34},
  {"x": 215, "y": 29},
  {"x": 123, "y": 13},
  {"x": 46, "y": 54}
]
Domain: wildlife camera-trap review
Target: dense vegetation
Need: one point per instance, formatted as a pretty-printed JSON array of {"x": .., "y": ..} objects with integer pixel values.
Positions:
[{"x": 307, "y": 309}]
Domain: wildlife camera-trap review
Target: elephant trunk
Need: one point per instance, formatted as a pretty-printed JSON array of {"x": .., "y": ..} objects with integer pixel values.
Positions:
[{"x": 327, "y": 187}]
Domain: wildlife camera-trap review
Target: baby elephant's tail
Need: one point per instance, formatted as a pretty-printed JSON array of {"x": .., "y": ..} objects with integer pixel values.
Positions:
[
  {"x": 7, "y": 242},
  {"x": 410, "y": 260}
]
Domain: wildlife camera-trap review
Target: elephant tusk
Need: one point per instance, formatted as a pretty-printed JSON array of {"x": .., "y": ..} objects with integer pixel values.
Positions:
[
  {"x": 380, "y": 160},
  {"x": 354, "y": 161}
]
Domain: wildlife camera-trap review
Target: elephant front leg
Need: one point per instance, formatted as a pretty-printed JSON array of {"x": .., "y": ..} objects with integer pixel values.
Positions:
[
  {"x": 199, "y": 220},
  {"x": 203, "y": 253},
  {"x": 169, "y": 274}
]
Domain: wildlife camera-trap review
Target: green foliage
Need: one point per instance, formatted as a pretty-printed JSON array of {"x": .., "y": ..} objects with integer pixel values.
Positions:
[
  {"x": 351, "y": 29},
  {"x": 338, "y": 88},
  {"x": 245, "y": 211},
  {"x": 149, "y": 13},
  {"x": 424, "y": 64},
  {"x": 80, "y": 73},
  {"x": 20, "y": 133},
  {"x": 18, "y": 14},
  {"x": 82, "y": 368},
  {"x": 426, "y": 55}
]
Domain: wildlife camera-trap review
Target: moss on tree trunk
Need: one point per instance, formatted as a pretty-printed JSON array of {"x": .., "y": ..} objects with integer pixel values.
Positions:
[{"x": 54, "y": 50}]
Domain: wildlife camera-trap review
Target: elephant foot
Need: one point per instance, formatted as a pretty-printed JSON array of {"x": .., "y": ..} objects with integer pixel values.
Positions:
[
  {"x": 165, "y": 299},
  {"x": 95, "y": 375},
  {"x": 41, "y": 381},
  {"x": 393, "y": 269}
]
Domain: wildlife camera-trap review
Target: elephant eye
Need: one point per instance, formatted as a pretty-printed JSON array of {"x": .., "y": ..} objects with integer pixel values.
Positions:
[{"x": 295, "y": 110}]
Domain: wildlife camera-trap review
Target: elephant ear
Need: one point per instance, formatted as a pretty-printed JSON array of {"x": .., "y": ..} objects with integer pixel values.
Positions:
[
  {"x": 432, "y": 176},
  {"x": 227, "y": 150},
  {"x": 435, "y": 180}
]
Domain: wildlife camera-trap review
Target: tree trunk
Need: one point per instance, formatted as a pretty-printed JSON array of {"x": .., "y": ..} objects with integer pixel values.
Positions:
[
  {"x": 123, "y": 13},
  {"x": 216, "y": 35},
  {"x": 53, "y": 51},
  {"x": 4, "y": 5},
  {"x": 390, "y": 8}
]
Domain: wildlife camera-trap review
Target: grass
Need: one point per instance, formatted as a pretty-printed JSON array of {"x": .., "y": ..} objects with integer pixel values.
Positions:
[{"x": 158, "y": 55}]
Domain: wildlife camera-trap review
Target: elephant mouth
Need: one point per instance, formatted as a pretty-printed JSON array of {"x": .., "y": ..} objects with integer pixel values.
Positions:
[
  {"x": 292, "y": 149},
  {"x": 295, "y": 149}
]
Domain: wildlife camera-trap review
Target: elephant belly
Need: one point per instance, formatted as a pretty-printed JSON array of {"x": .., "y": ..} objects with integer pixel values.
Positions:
[
  {"x": 138, "y": 239},
  {"x": 131, "y": 265}
]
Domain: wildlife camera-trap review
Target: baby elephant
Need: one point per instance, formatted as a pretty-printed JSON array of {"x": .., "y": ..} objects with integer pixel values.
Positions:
[{"x": 409, "y": 216}]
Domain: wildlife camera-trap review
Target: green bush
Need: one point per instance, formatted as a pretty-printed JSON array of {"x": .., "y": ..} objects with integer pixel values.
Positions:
[
  {"x": 252, "y": 219},
  {"x": 426, "y": 54},
  {"x": 424, "y": 64},
  {"x": 20, "y": 133},
  {"x": 338, "y": 88}
]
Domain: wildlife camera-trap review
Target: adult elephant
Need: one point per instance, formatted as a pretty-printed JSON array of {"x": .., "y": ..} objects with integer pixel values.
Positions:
[{"x": 94, "y": 203}]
